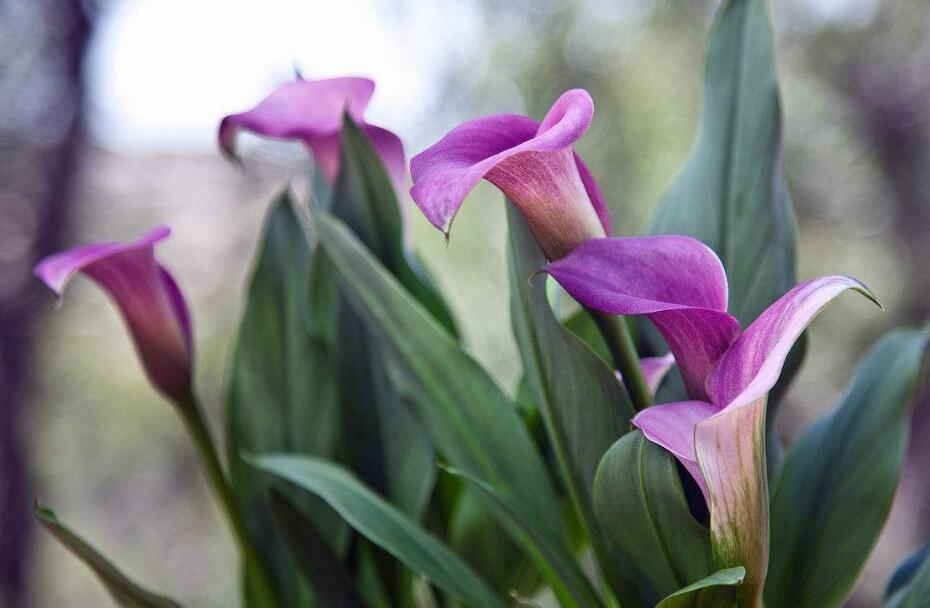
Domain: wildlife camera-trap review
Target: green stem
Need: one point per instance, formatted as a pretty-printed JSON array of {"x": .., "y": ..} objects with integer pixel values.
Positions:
[
  {"x": 197, "y": 429},
  {"x": 620, "y": 342}
]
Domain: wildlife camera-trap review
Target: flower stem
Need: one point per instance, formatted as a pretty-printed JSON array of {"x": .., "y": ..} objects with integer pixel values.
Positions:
[
  {"x": 196, "y": 426},
  {"x": 620, "y": 342}
]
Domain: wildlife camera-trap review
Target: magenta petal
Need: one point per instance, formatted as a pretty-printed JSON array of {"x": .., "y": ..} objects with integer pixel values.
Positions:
[
  {"x": 148, "y": 298},
  {"x": 672, "y": 427},
  {"x": 303, "y": 109},
  {"x": 730, "y": 451},
  {"x": 533, "y": 164},
  {"x": 677, "y": 281},
  {"x": 751, "y": 366},
  {"x": 655, "y": 369}
]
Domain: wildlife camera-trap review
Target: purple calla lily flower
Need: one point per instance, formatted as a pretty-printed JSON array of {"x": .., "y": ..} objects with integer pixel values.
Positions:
[
  {"x": 532, "y": 163},
  {"x": 311, "y": 111},
  {"x": 148, "y": 298},
  {"x": 719, "y": 436}
]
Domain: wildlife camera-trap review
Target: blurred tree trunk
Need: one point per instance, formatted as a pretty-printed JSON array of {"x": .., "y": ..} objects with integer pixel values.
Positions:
[{"x": 42, "y": 49}]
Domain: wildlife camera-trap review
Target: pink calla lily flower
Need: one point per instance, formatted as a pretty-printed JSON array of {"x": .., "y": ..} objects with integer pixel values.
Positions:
[
  {"x": 719, "y": 436},
  {"x": 532, "y": 163},
  {"x": 311, "y": 111},
  {"x": 148, "y": 298}
]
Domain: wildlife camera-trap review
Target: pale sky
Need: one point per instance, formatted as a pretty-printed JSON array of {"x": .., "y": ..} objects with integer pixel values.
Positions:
[{"x": 163, "y": 72}]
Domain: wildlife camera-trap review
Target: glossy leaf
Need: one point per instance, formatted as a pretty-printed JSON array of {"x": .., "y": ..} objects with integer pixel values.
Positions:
[
  {"x": 838, "y": 481},
  {"x": 640, "y": 503},
  {"x": 466, "y": 413},
  {"x": 714, "y": 591},
  {"x": 384, "y": 525},
  {"x": 281, "y": 394},
  {"x": 124, "y": 591},
  {"x": 584, "y": 407},
  {"x": 560, "y": 569}
]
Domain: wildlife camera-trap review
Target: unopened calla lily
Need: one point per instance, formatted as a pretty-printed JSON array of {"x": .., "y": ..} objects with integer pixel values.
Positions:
[
  {"x": 148, "y": 298},
  {"x": 312, "y": 111},
  {"x": 532, "y": 163},
  {"x": 719, "y": 436}
]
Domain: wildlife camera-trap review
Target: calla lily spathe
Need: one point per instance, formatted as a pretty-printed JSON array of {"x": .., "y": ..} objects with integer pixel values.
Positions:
[
  {"x": 719, "y": 436},
  {"x": 532, "y": 163},
  {"x": 312, "y": 111},
  {"x": 147, "y": 297}
]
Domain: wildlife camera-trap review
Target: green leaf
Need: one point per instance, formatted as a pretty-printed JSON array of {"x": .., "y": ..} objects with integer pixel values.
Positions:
[
  {"x": 560, "y": 569},
  {"x": 477, "y": 535},
  {"x": 640, "y": 504},
  {"x": 382, "y": 524},
  {"x": 910, "y": 586},
  {"x": 364, "y": 198},
  {"x": 281, "y": 395},
  {"x": 123, "y": 590},
  {"x": 714, "y": 591},
  {"x": 905, "y": 571},
  {"x": 838, "y": 481},
  {"x": 466, "y": 413},
  {"x": 584, "y": 407},
  {"x": 731, "y": 194},
  {"x": 332, "y": 585}
]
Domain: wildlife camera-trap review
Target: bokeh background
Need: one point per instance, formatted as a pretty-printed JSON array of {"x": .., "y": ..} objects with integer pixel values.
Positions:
[{"x": 108, "y": 112}]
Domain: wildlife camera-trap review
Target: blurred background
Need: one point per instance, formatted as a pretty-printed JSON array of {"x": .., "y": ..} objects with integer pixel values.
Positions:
[{"x": 108, "y": 112}]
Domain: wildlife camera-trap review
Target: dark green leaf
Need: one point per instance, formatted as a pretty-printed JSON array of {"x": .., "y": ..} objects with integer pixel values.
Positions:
[
  {"x": 731, "y": 194},
  {"x": 124, "y": 591},
  {"x": 332, "y": 585},
  {"x": 838, "y": 481},
  {"x": 559, "y": 567},
  {"x": 384, "y": 525},
  {"x": 640, "y": 504},
  {"x": 584, "y": 406},
  {"x": 466, "y": 413},
  {"x": 903, "y": 574},
  {"x": 910, "y": 586},
  {"x": 281, "y": 394},
  {"x": 477, "y": 535},
  {"x": 364, "y": 198},
  {"x": 714, "y": 591}
]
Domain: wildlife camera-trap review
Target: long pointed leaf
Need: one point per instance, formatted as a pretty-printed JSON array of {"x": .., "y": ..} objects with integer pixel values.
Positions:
[
  {"x": 384, "y": 525},
  {"x": 124, "y": 591},
  {"x": 838, "y": 481},
  {"x": 584, "y": 407},
  {"x": 714, "y": 591},
  {"x": 281, "y": 394},
  {"x": 467, "y": 413}
]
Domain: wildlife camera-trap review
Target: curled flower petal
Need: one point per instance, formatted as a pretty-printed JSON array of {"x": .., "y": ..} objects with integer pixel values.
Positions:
[
  {"x": 312, "y": 111},
  {"x": 533, "y": 164},
  {"x": 672, "y": 426},
  {"x": 148, "y": 298},
  {"x": 677, "y": 281},
  {"x": 754, "y": 361}
]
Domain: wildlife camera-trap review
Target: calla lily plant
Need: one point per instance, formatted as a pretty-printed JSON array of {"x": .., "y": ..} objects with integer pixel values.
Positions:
[{"x": 371, "y": 460}]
